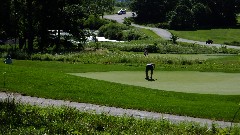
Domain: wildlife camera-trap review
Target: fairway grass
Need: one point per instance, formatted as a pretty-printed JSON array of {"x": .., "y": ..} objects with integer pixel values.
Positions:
[
  {"x": 52, "y": 80},
  {"x": 178, "y": 81}
]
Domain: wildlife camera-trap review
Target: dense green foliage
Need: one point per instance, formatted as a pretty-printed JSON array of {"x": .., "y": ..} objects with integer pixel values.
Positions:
[
  {"x": 120, "y": 32},
  {"x": 16, "y": 118},
  {"x": 187, "y": 14},
  {"x": 29, "y": 21}
]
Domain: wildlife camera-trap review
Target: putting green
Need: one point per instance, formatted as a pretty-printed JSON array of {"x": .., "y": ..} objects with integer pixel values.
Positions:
[{"x": 179, "y": 81}]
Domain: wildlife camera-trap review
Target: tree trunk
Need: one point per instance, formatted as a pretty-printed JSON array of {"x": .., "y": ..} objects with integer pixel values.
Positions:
[
  {"x": 43, "y": 29},
  {"x": 30, "y": 32}
]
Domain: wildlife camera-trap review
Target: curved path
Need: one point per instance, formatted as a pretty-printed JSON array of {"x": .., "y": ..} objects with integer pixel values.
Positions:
[
  {"x": 162, "y": 32},
  {"x": 85, "y": 107}
]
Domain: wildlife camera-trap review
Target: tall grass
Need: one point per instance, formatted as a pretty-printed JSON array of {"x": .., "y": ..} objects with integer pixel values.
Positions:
[
  {"x": 115, "y": 57},
  {"x": 164, "y": 47},
  {"x": 16, "y": 118},
  {"x": 191, "y": 62}
]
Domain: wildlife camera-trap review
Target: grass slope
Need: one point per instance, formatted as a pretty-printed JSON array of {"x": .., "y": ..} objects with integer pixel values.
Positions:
[
  {"x": 217, "y": 35},
  {"x": 22, "y": 119}
]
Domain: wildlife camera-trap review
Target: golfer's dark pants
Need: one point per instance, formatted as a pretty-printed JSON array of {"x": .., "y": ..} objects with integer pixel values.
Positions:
[{"x": 149, "y": 67}]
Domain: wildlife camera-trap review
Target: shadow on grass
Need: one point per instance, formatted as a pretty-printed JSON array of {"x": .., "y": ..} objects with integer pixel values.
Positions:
[{"x": 148, "y": 79}]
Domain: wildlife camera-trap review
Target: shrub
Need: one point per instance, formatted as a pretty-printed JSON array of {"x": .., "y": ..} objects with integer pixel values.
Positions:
[
  {"x": 127, "y": 21},
  {"x": 21, "y": 55},
  {"x": 133, "y": 34},
  {"x": 174, "y": 38},
  {"x": 153, "y": 48},
  {"x": 120, "y": 32},
  {"x": 94, "y": 22},
  {"x": 112, "y": 31},
  {"x": 163, "y": 25}
]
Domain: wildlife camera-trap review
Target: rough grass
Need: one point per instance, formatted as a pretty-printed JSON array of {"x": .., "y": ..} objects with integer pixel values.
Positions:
[{"x": 16, "y": 118}]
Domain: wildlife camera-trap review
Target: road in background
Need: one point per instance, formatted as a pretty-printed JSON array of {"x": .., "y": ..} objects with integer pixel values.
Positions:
[{"x": 162, "y": 32}]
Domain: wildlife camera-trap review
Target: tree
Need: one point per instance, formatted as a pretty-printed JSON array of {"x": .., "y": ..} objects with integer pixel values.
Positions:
[
  {"x": 152, "y": 11},
  {"x": 28, "y": 20},
  {"x": 201, "y": 14},
  {"x": 222, "y": 12},
  {"x": 237, "y": 6},
  {"x": 99, "y": 7},
  {"x": 8, "y": 20},
  {"x": 182, "y": 18},
  {"x": 30, "y": 24},
  {"x": 193, "y": 13}
]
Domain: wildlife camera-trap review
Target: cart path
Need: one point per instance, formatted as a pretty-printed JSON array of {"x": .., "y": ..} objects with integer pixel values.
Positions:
[
  {"x": 162, "y": 32},
  {"x": 98, "y": 109}
]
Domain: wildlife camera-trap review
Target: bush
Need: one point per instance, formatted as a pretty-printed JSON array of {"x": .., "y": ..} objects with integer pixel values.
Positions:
[
  {"x": 112, "y": 31},
  {"x": 20, "y": 55},
  {"x": 132, "y": 34},
  {"x": 127, "y": 21},
  {"x": 94, "y": 22},
  {"x": 120, "y": 32},
  {"x": 163, "y": 25},
  {"x": 153, "y": 48}
]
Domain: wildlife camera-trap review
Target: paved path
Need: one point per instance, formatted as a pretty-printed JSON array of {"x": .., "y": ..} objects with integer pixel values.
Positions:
[
  {"x": 161, "y": 32},
  {"x": 85, "y": 107}
]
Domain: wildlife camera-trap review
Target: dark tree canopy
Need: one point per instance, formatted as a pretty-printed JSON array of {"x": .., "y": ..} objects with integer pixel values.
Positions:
[
  {"x": 151, "y": 10},
  {"x": 31, "y": 20},
  {"x": 181, "y": 14}
]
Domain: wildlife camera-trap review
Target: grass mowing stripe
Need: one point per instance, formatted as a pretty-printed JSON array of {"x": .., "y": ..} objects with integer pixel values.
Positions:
[{"x": 44, "y": 81}]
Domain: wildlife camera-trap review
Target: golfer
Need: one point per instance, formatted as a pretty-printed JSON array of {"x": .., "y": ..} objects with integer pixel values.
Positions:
[
  {"x": 145, "y": 52},
  {"x": 151, "y": 67}
]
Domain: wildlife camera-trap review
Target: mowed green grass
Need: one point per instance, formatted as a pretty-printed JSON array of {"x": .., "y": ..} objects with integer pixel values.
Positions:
[
  {"x": 217, "y": 35},
  {"x": 150, "y": 33},
  {"x": 50, "y": 80},
  {"x": 178, "y": 81}
]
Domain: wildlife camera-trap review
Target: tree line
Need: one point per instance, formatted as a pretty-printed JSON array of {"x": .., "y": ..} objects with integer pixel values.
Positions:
[
  {"x": 29, "y": 21},
  {"x": 187, "y": 14}
]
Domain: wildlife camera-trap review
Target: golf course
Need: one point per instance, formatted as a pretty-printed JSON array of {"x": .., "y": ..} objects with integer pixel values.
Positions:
[
  {"x": 178, "y": 81},
  {"x": 156, "y": 73},
  {"x": 194, "y": 85}
]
